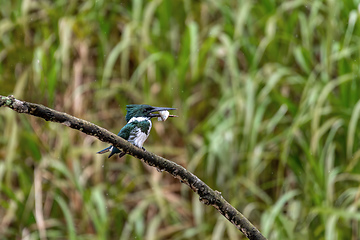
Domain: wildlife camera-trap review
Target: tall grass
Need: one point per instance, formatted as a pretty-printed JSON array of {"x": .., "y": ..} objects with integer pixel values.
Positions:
[{"x": 268, "y": 98}]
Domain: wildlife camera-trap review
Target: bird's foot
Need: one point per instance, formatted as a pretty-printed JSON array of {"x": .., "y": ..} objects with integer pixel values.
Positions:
[{"x": 143, "y": 149}]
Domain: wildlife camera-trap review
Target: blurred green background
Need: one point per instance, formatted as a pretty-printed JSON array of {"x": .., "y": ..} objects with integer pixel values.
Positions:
[{"x": 268, "y": 97}]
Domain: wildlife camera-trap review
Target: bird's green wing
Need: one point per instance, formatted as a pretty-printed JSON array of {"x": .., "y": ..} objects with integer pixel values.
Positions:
[{"x": 125, "y": 131}]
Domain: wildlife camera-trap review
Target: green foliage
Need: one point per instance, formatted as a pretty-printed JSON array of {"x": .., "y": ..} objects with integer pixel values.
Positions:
[{"x": 268, "y": 98}]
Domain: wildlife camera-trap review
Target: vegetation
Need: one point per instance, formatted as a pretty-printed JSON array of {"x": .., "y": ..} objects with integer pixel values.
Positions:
[{"x": 268, "y": 98}]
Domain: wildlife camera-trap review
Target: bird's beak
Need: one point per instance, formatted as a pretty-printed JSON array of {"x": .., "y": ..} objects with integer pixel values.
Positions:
[{"x": 158, "y": 109}]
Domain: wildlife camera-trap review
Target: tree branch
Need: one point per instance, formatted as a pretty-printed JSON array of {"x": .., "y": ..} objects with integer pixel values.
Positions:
[{"x": 207, "y": 195}]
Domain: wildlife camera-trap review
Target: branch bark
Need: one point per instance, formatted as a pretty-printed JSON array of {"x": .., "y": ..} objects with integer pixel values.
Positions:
[{"x": 207, "y": 195}]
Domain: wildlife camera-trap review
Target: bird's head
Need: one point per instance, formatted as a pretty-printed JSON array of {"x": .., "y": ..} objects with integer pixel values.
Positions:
[{"x": 144, "y": 110}]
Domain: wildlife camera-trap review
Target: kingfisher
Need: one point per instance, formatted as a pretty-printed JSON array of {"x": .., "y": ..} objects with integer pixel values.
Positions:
[{"x": 138, "y": 126}]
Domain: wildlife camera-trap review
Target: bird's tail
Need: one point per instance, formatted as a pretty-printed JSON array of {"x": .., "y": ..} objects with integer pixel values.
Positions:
[
  {"x": 105, "y": 150},
  {"x": 113, "y": 151}
]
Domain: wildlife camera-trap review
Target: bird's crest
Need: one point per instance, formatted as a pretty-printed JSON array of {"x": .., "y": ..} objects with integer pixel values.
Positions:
[{"x": 137, "y": 110}]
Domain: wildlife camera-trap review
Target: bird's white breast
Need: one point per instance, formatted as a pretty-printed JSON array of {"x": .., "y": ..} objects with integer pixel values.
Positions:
[{"x": 137, "y": 137}]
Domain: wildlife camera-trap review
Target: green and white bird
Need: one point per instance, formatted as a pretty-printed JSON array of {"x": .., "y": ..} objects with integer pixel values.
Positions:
[{"x": 137, "y": 129}]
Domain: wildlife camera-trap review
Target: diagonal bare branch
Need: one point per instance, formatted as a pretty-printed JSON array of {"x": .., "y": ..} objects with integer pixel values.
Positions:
[{"x": 207, "y": 195}]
